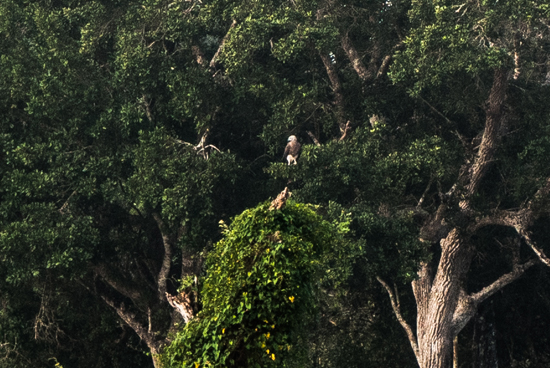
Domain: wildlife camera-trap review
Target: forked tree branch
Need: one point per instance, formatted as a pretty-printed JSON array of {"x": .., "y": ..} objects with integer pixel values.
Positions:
[
  {"x": 362, "y": 71},
  {"x": 394, "y": 299},
  {"x": 347, "y": 129},
  {"x": 520, "y": 219}
]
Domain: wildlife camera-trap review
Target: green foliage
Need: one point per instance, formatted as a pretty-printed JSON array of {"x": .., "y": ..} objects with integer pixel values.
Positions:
[
  {"x": 368, "y": 176},
  {"x": 158, "y": 180},
  {"x": 259, "y": 290},
  {"x": 102, "y": 104},
  {"x": 374, "y": 165},
  {"x": 450, "y": 39}
]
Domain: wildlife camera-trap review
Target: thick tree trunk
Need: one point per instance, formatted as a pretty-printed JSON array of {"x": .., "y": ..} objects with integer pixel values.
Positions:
[
  {"x": 444, "y": 306},
  {"x": 437, "y": 302}
]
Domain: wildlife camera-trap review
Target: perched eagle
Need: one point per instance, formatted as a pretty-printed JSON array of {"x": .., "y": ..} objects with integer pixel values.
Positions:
[{"x": 292, "y": 150}]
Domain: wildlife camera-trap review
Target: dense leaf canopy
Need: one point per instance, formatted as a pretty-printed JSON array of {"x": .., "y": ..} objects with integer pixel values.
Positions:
[{"x": 130, "y": 128}]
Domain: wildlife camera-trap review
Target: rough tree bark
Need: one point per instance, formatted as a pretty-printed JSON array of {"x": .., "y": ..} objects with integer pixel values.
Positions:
[{"x": 443, "y": 304}]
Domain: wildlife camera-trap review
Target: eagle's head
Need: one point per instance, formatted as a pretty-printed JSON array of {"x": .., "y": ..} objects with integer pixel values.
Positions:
[{"x": 292, "y": 138}]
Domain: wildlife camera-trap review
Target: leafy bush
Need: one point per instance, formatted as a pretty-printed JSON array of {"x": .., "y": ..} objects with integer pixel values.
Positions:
[{"x": 259, "y": 289}]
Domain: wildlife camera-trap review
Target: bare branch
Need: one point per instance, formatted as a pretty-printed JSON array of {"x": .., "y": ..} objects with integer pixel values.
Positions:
[
  {"x": 502, "y": 281},
  {"x": 150, "y": 328},
  {"x": 212, "y": 146},
  {"x": 437, "y": 111},
  {"x": 467, "y": 304},
  {"x": 517, "y": 67},
  {"x": 64, "y": 208},
  {"x": 499, "y": 218},
  {"x": 46, "y": 326},
  {"x": 201, "y": 147},
  {"x": 336, "y": 89},
  {"x": 455, "y": 352},
  {"x": 394, "y": 299},
  {"x": 520, "y": 219},
  {"x": 8, "y": 348},
  {"x": 421, "y": 200},
  {"x": 387, "y": 60},
  {"x": 384, "y": 66},
  {"x": 347, "y": 128},
  {"x": 147, "y": 104},
  {"x": 183, "y": 142}
]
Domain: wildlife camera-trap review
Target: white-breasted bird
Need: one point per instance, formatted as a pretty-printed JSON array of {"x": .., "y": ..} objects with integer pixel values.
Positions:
[{"x": 292, "y": 150}]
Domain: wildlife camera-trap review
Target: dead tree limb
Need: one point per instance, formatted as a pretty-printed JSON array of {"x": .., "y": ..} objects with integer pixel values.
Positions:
[
  {"x": 279, "y": 202},
  {"x": 347, "y": 128}
]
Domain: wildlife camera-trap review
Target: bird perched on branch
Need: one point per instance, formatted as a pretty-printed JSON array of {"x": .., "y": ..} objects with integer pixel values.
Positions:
[{"x": 292, "y": 150}]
